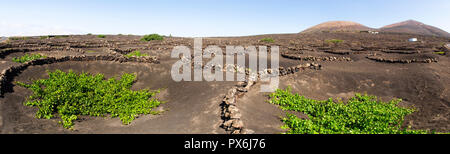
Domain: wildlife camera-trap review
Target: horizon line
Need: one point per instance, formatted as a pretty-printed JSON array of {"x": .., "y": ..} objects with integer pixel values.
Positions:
[{"x": 212, "y": 36}]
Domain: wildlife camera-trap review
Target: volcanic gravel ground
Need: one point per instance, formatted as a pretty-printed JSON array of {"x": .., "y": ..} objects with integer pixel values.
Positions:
[{"x": 402, "y": 69}]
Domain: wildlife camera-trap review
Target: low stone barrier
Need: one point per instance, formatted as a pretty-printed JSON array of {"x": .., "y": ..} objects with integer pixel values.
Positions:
[
  {"x": 346, "y": 52},
  {"x": 312, "y": 58},
  {"x": 7, "y": 51},
  {"x": 401, "y": 51},
  {"x": 404, "y": 61},
  {"x": 230, "y": 112},
  {"x": 7, "y": 74}
]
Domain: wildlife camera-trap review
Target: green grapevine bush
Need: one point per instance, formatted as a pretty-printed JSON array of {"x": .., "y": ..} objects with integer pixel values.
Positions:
[
  {"x": 152, "y": 37},
  {"x": 18, "y": 38},
  {"x": 61, "y": 36},
  {"x": 439, "y": 52},
  {"x": 70, "y": 95},
  {"x": 136, "y": 54},
  {"x": 268, "y": 40},
  {"x": 362, "y": 114},
  {"x": 335, "y": 41},
  {"x": 28, "y": 57}
]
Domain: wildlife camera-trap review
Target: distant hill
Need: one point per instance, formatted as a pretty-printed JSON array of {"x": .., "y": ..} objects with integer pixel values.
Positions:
[
  {"x": 415, "y": 27},
  {"x": 408, "y": 27},
  {"x": 337, "y": 26},
  {"x": 2, "y": 39}
]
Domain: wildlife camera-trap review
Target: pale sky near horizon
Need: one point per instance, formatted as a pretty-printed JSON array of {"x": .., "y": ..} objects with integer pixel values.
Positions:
[{"x": 201, "y": 18}]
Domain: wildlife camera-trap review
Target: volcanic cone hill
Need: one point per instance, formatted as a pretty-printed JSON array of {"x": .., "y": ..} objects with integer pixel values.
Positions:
[
  {"x": 319, "y": 66},
  {"x": 405, "y": 27},
  {"x": 337, "y": 26},
  {"x": 415, "y": 27}
]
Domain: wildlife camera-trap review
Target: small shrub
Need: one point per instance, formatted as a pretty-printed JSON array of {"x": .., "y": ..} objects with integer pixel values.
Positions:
[
  {"x": 335, "y": 41},
  {"x": 267, "y": 40},
  {"x": 28, "y": 57},
  {"x": 18, "y": 38},
  {"x": 62, "y": 36},
  {"x": 439, "y": 52},
  {"x": 362, "y": 114},
  {"x": 44, "y": 37},
  {"x": 89, "y": 34},
  {"x": 136, "y": 53},
  {"x": 71, "y": 95},
  {"x": 101, "y": 36},
  {"x": 152, "y": 37}
]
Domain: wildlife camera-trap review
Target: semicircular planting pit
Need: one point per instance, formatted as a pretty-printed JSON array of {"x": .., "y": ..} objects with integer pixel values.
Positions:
[{"x": 310, "y": 67}]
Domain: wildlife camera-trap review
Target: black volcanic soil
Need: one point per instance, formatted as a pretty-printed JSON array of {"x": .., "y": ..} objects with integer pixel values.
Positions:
[
  {"x": 418, "y": 85},
  {"x": 191, "y": 106},
  {"x": 194, "y": 107}
]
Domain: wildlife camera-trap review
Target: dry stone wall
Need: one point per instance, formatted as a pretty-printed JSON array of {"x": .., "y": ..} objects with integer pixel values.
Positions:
[
  {"x": 404, "y": 61},
  {"x": 7, "y": 74},
  {"x": 231, "y": 115},
  {"x": 313, "y": 58}
]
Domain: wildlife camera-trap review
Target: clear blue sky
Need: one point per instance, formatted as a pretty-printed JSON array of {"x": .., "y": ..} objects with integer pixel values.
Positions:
[{"x": 207, "y": 17}]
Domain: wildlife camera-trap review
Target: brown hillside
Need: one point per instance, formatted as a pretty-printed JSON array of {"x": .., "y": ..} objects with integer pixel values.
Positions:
[
  {"x": 338, "y": 26},
  {"x": 415, "y": 27}
]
